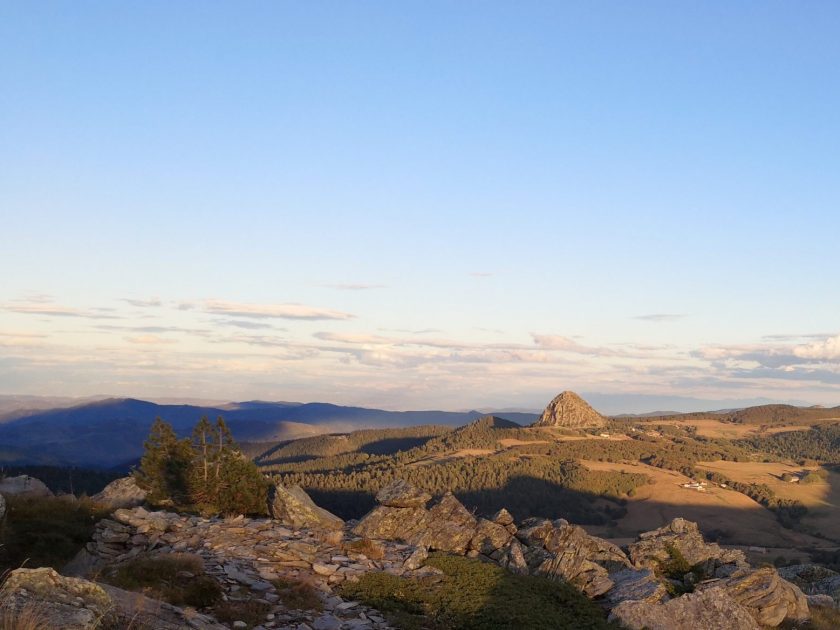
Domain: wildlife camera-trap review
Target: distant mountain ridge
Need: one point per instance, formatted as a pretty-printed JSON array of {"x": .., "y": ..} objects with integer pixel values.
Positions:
[{"x": 110, "y": 432}]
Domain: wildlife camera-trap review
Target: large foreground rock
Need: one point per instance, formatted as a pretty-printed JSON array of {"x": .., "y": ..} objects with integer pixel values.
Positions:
[
  {"x": 635, "y": 585},
  {"x": 653, "y": 548},
  {"x": 400, "y": 493},
  {"x": 447, "y": 526},
  {"x": 293, "y": 507},
  {"x": 566, "y": 552},
  {"x": 55, "y": 602},
  {"x": 769, "y": 598},
  {"x": 814, "y": 580},
  {"x": 121, "y": 493},
  {"x": 24, "y": 485},
  {"x": 712, "y": 609}
]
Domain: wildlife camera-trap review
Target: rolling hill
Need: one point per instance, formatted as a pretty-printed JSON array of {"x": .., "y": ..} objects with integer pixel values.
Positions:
[{"x": 110, "y": 432}]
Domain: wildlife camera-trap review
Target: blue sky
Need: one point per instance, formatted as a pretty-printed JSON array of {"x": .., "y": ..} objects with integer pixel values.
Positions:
[{"x": 419, "y": 205}]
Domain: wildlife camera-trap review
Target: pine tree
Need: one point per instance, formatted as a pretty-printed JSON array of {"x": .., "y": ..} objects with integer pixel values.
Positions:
[
  {"x": 202, "y": 481},
  {"x": 165, "y": 465}
]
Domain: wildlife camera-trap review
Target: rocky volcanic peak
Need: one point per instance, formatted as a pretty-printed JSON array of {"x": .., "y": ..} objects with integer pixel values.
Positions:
[{"x": 570, "y": 410}]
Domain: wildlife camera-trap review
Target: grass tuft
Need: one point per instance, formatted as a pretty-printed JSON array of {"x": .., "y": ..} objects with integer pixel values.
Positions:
[
  {"x": 177, "y": 578},
  {"x": 298, "y": 594},
  {"x": 45, "y": 531}
]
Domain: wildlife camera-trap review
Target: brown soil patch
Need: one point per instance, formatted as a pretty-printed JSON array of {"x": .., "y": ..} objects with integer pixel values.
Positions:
[
  {"x": 821, "y": 499},
  {"x": 738, "y": 518}
]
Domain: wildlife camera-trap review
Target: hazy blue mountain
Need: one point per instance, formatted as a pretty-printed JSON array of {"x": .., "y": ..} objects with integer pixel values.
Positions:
[{"x": 110, "y": 432}]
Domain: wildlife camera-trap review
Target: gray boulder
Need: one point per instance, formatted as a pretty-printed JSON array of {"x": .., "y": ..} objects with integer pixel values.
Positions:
[
  {"x": 712, "y": 609},
  {"x": 24, "y": 485},
  {"x": 447, "y": 526},
  {"x": 652, "y": 548},
  {"x": 769, "y": 598},
  {"x": 400, "y": 493},
  {"x": 814, "y": 579},
  {"x": 67, "y": 603},
  {"x": 293, "y": 507},
  {"x": 635, "y": 585},
  {"x": 121, "y": 493}
]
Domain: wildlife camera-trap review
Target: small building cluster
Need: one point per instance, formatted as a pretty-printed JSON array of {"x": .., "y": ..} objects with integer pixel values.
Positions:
[{"x": 700, "y": 486}]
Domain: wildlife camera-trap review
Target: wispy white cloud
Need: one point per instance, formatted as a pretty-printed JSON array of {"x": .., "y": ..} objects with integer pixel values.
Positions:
[
  {"x": 354, "y": 286},
  {"x": 48, "y": 308},
  {"x": 277, "y": 311},
  {"x": 660, "y": 317},
  {"x": 148, "y": 303},
  {"x": 246, "y": 324},
  {"x": 150, "y": 340}
]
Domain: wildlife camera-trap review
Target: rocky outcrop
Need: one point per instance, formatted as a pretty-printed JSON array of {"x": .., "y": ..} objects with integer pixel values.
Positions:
[
  {"x": 293, "y": 507},
  {"x": 121, "y": 493},
  {"x": 401, "y": 494},
  {"x": 635, "y": 585},
  {"x": 24, "y": 485},
  {"x": 710, "y": 610},
  {"x": 559, "y": 550},
  {"x": 654, "y": 548},
  {"x": 814, "y": 580},
  {"x": 570, "y": 410},
  {"x": 447, "y": 526},
  {"x": 2, "y": 508},
  {"x": 54, "y": 602},
  {"x": 769, "y": 598}
]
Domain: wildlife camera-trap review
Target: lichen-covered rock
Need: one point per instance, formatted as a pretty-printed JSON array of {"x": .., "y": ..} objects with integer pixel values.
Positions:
[
  {"x": 559, "y": 550},
  {"x": 512, "y": 558},
  {"x": 121, "y": 493},
  {"x": 635, "y": 585},
  {"x": 652, "y": 548},
  {"x": 66, "y": 603},
  {"x": 489, "y": 537},
  {"x": 391, "y": 523},
  {"x": 568, "y": 565},
  {"x": 451, "y": 525},
  {"x": 24, "y": 485},
  {"x": 416, "y": 559},
  {"x": 712, "y": 609},
  {"x": 502, "y": 517},
  {"x": 534, "y": 531},
  {"x": 571, "y": 538},
  {"x": 769, "y": 598},
  {"x": 59, "y": 602},
  {"x": 814, "y": 579},
  {"x": 400, "y": 493},
  {"x": 293, "y": 507}
]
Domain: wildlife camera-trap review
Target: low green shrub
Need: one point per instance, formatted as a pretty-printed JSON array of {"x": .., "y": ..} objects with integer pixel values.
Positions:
[
  {"x": 177, "y": 578},
  {"x": 45, "y": 531},
  {"x": 475, "y": 595}
]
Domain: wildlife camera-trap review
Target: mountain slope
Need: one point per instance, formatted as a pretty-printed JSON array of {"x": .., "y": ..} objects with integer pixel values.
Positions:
[{"x": 109, "y": 432}]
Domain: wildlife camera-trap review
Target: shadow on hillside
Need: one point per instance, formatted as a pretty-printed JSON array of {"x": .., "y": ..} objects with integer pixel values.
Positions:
[
  {"x": 390, "y": 446},
  {"x": 527, "y": 496}
]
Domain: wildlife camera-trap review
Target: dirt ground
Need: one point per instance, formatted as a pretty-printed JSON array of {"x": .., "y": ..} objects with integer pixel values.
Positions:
[
  {"x": 738, "y": 519},
  {"x": 821, "y": 499}
]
